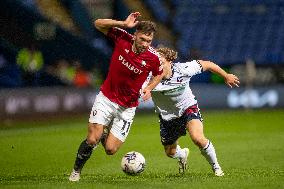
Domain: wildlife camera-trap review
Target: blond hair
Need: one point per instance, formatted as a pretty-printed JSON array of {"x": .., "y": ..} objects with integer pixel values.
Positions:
[{"x": 169, "y": 54}]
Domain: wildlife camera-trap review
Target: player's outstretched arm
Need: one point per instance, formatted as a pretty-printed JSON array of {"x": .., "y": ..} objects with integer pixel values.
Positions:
[
  {"x": 104, "y": 25},
  {"x": 230, "y": 79},
  {"x": 151, "y": 85}
]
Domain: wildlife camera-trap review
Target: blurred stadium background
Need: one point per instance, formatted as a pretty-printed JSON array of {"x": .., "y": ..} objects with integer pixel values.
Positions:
[{"x": 52, "y": 62}]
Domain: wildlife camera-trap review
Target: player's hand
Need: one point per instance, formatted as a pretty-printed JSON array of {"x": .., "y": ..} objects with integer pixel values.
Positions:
[
  {"x": 146, "y": 94},
  {"x": 232, "y": 81},
  {"x": 131, "y": 21}
]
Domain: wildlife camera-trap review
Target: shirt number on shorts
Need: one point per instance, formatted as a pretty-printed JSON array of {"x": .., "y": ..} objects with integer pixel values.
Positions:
[{"x": 125, "y": 127}]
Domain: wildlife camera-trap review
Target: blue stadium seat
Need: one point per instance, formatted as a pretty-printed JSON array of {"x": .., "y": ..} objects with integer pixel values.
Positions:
[
  {"x": 158, "y": 9},
  {"x": 231, "y": 31}
]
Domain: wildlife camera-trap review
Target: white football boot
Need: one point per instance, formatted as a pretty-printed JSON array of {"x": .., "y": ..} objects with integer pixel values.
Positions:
[
  {"x": 183, "y": 161},
  {"x": 74, "y": 176},
  {"x": 218, "y": 172}
]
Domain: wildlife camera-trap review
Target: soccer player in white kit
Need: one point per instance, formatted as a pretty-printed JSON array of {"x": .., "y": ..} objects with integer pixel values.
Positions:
[{"x": 178, "y": 108}]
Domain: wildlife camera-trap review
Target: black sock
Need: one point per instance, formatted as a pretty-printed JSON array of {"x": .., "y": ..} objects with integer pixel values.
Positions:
[{"x": 84, "y": 153}]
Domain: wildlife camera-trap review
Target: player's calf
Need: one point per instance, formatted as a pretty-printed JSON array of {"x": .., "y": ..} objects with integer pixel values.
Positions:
[{"x": 84, "y": 153}]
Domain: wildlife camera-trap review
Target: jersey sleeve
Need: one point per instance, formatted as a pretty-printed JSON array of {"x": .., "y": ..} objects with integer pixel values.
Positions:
[
  {"x": 192, "y": 68},
  {"x": 117, "y": 33},
  {"x": 158, "y": 68}
]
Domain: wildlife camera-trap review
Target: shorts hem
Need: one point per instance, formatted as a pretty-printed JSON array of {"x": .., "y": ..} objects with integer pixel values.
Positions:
[
  {"x": 97, "y": 122},
  {"x": 116, "y": 136}
]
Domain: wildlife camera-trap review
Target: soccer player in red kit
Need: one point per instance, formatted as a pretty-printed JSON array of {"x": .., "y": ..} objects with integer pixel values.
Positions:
[{"x": 114, "y": 108}]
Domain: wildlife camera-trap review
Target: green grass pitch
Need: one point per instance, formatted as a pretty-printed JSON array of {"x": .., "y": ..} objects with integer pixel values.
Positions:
[{"x": 249, "y": 145}]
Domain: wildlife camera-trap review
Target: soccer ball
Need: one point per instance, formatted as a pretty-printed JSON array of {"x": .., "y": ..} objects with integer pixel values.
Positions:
[{"x": 133, "y": 163}]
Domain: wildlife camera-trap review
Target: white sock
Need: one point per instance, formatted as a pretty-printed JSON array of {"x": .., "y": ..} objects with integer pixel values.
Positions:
[
  {"x": 209, "y": 153},
  {"x": 180, "y": 153}
]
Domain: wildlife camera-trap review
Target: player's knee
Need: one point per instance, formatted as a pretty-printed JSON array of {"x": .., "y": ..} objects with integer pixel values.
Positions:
[
  {"x": 92, "y": 141},
  {"x": 198, "y": 140},
  {"x": 111, "y": 150},
  {"x": 94, "y": 134}
]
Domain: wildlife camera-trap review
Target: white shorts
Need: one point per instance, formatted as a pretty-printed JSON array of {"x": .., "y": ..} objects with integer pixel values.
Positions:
[{"x": 118, "y": 119}]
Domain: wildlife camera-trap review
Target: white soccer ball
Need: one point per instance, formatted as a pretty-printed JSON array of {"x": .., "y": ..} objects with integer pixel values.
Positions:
[{"x": 133, "y": 163}]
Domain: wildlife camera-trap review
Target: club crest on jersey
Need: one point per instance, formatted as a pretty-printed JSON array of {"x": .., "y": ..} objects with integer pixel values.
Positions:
[{"x": 143, "y": 63}]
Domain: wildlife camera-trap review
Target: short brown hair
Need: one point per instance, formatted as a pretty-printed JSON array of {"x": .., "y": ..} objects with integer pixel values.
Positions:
[
  {"x": 168, "y": 53},
  {"x": 146, "y": 27}
]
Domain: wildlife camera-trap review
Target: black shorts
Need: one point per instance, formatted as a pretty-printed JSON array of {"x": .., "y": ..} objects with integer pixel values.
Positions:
[{"x": 171, "y": 130}]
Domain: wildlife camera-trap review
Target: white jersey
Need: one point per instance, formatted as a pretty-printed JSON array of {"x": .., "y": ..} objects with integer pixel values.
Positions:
[{"x": 173, "y": 96}]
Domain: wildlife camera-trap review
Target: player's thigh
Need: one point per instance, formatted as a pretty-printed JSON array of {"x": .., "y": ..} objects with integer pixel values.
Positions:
[
  {"x": 112, "y": 144},
  {"x": 195, "y": 130},
  {"x": 194, "y": 122},
  {"x": 95, "y": 132},
  {"x": 194, "y": 127}
]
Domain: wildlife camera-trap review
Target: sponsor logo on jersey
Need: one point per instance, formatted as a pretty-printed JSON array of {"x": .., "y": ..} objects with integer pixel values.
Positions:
[
  {"x": 143, "y": 63},
  {"x": 129, "y": 66}
]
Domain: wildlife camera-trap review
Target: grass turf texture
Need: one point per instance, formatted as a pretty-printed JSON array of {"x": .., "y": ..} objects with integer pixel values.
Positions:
[{"x": 249, "y": 147}]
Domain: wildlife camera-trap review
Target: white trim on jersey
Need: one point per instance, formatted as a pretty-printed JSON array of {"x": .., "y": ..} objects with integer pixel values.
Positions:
[
  {"x": 122, "y": 30},
  {"x": 153, "y": 51}
]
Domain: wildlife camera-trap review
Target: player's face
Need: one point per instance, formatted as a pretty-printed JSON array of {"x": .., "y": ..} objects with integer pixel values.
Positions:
[
  {"x": 142, "y": 41},
  {"x": 167, "y": 67}
]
